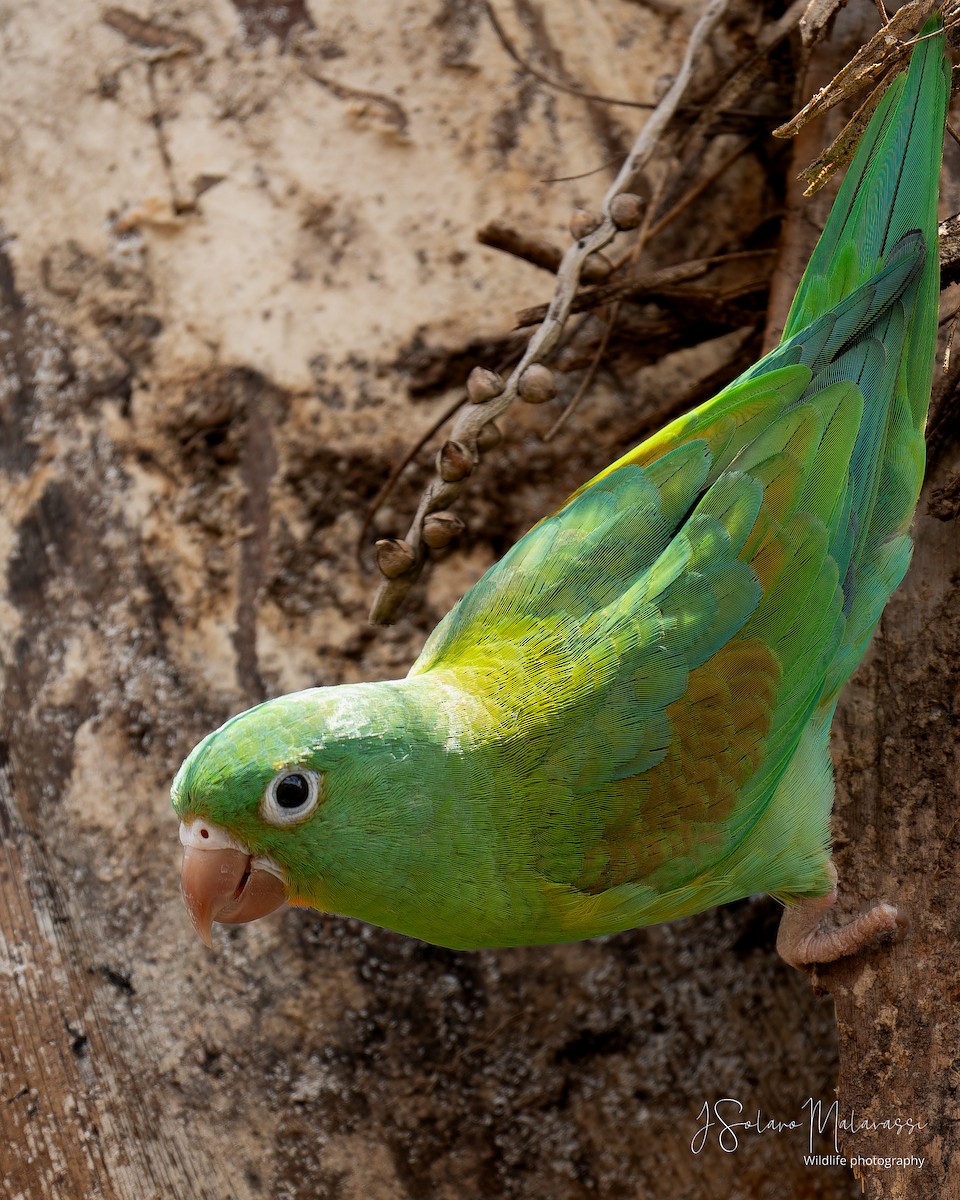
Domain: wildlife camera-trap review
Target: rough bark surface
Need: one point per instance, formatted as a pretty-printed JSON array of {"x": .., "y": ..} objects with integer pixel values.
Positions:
[{"x": 238, "y": 274}]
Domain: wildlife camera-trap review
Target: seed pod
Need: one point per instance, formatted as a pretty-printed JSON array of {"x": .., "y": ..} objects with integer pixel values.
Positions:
[
  {"x": 489, "y": 436},
  {"x": 483, "y": 385},
  {"x": 583, "y": 223},
  {"x": 394, "y": 557},
  {"x": 454, "y": 462},
  {"x": 596, "y": 267},
  {"x": 626, "y": 210},
  {"x": 537, "y": 384},
  {"x": 440, "y": 528}
]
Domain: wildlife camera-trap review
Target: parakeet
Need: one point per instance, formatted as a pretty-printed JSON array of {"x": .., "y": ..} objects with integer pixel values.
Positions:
[{"x": 626, "y": 720}]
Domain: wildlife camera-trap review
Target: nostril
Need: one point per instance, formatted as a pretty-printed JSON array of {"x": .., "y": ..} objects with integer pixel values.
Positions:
[{"x": 204, "y": 833}]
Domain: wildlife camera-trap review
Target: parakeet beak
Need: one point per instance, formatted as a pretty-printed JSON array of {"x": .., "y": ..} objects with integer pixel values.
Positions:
[{"x": 221, "y": 881}]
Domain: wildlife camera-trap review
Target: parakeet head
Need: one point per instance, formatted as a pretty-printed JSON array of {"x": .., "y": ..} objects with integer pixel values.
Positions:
[{"x": 272, "y": 803}]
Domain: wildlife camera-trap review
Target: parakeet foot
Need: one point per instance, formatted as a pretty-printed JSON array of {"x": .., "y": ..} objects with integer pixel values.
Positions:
[{"x": 801, "y": 942}]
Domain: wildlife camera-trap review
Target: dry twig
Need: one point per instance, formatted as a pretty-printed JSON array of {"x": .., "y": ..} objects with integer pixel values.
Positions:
[
  {"x": 550, "y": 80},
  {"x": 635, "y": 286},
  {"x": 887, "y": 48},
  {"x": 459, "y": 454}
]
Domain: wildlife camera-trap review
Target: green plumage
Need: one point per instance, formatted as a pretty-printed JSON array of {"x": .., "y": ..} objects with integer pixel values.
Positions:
[{"x": 627, "y": 719}]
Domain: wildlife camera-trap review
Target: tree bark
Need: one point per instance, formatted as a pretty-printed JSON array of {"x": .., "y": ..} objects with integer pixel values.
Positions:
[{"x": 266, "y": 234}]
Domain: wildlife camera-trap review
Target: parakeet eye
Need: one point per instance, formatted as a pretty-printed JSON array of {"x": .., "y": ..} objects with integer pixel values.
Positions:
[{"x": 290, "y": 796}]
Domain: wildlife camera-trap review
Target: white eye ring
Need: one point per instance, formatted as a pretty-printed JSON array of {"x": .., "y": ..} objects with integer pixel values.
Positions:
[{"x": 276, "y": 807}]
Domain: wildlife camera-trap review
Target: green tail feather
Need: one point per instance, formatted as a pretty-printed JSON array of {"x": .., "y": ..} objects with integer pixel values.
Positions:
[
  {"x": 889, "y": 190},
  {"x": 870, "y": 295}
]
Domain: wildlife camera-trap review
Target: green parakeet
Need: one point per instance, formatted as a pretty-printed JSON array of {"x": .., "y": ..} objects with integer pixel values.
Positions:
[{"x": 627, "y": 718}]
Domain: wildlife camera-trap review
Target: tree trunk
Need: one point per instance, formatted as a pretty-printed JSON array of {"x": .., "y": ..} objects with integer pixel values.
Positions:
[{"x": 239, "y": 276}]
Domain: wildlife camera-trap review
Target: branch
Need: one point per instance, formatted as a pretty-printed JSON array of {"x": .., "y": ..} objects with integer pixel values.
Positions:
[{"x": 457, "y": 458}]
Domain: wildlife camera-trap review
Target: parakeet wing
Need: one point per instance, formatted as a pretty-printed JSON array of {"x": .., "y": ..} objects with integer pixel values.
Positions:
[{"x": 670, "y": 632}]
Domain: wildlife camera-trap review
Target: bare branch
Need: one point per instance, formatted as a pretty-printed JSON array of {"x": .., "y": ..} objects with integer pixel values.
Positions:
[
  {"x": 885, "y": 49},
  {"x": 474, "y": 417}
]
